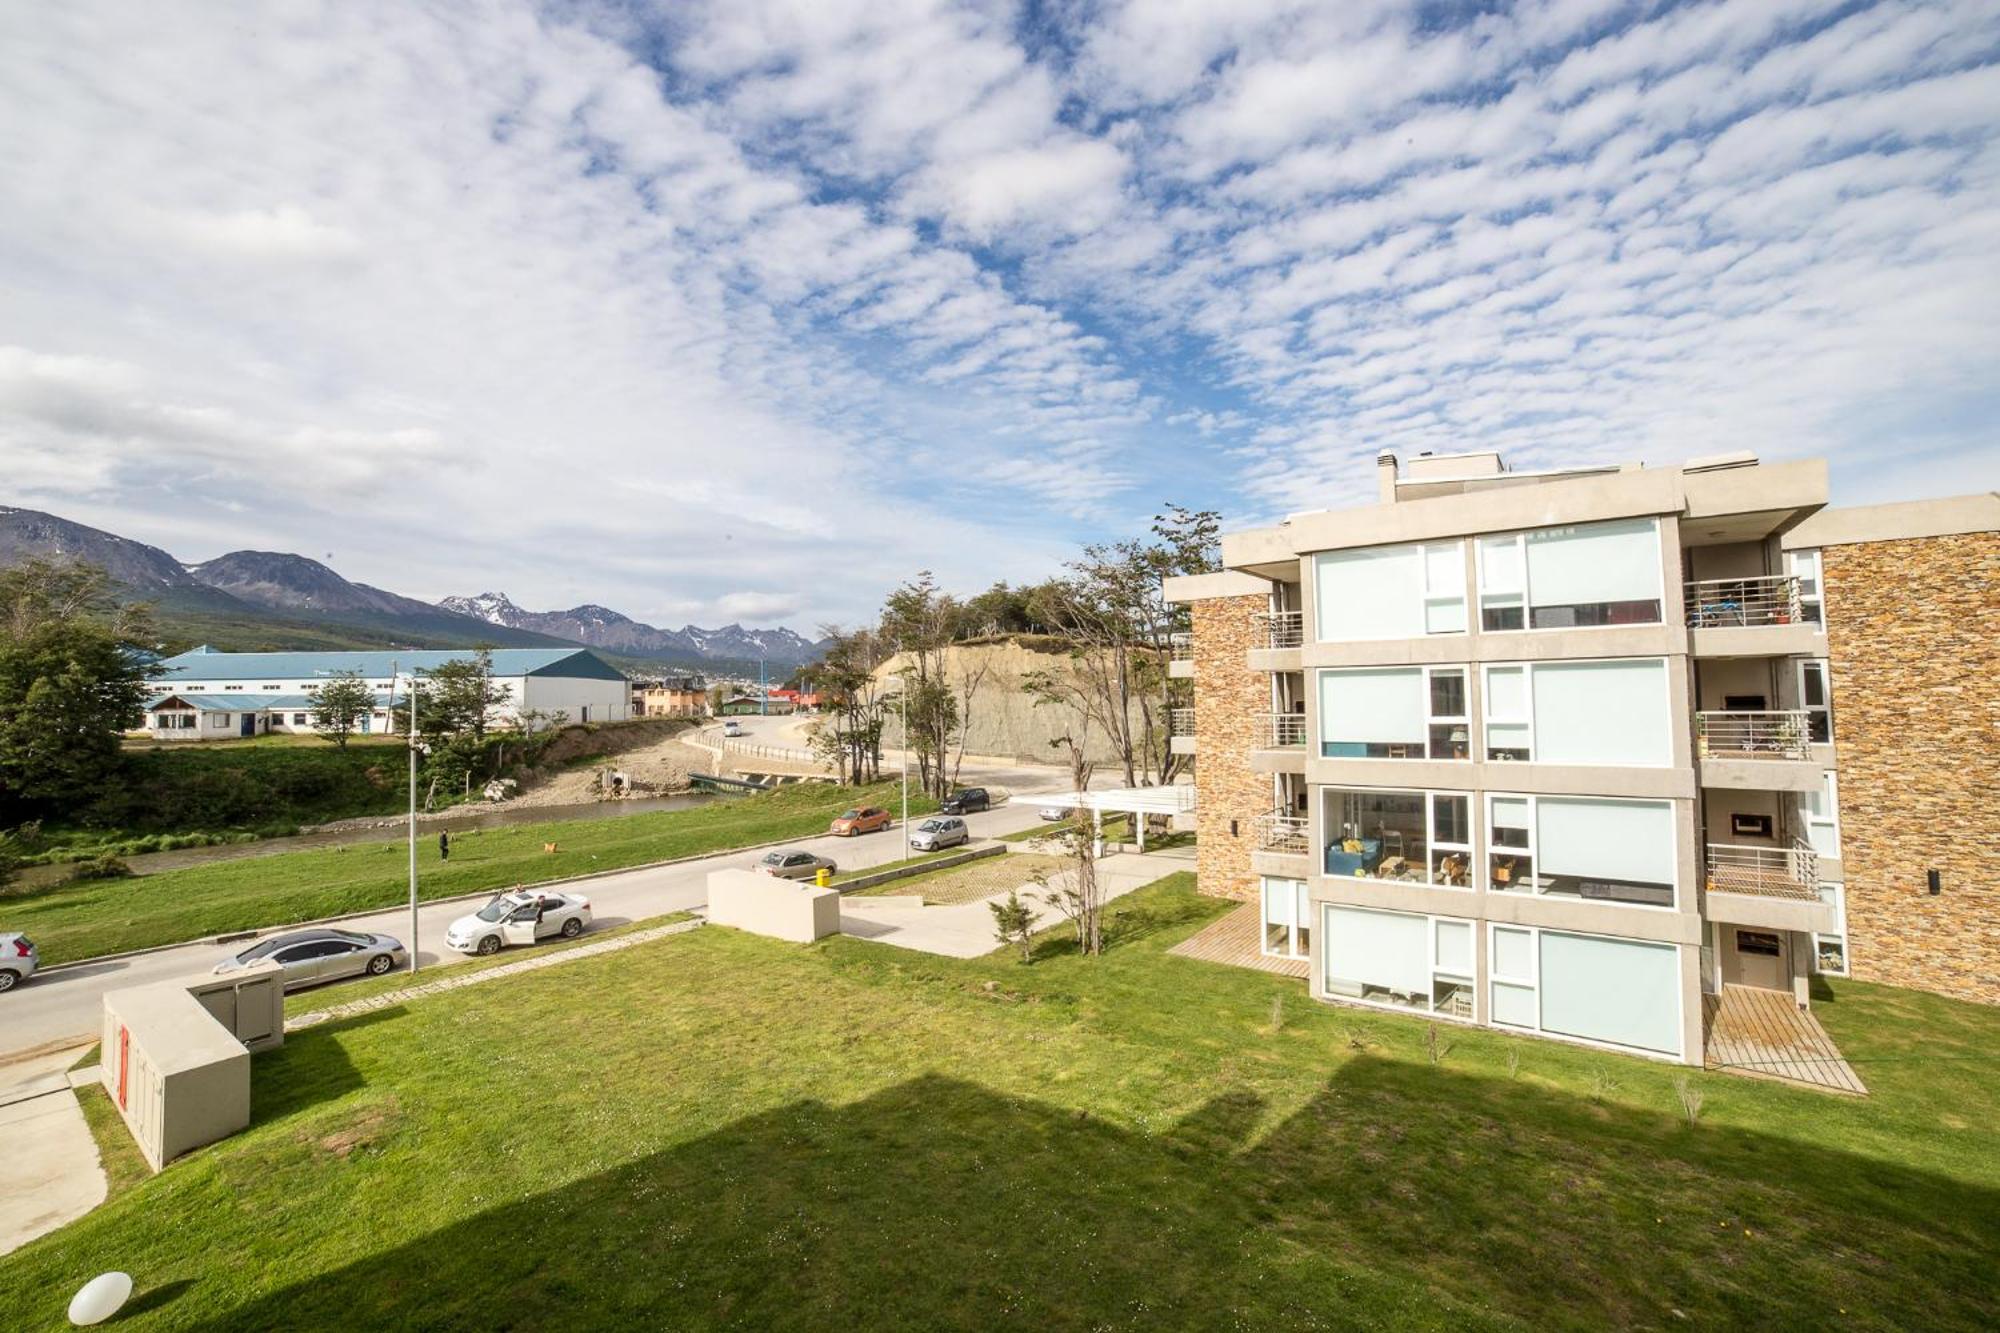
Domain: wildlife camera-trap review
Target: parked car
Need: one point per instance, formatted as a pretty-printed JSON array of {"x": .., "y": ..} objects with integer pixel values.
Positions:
[
  {"x": 853, "y": 823},
  {"x": 936, "y": 834},
  {"x": 732, "y": 728},
  {"x": 312, "y": 956},
  {"x": 1055, "y": 814},
  {"x": 520, "y": 917},
  {"x": 965, "y": 801},
  {"x": 795, "y": 865},
  {"x": 18, "y": 960}
]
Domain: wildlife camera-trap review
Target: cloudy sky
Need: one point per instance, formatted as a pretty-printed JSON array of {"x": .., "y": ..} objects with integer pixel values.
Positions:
[{"x": 744, "y": 310}]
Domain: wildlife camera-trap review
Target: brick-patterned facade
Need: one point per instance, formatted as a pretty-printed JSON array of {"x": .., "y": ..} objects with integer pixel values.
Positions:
[
  {"x": 1229, "y": 701},
  {"x": 1913, "y": 630}
]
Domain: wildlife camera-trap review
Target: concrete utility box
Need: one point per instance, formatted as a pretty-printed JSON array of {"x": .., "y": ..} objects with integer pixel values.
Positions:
[
  {"x": 767, "y": 905},
  {"x": 179, "y": 1077}
]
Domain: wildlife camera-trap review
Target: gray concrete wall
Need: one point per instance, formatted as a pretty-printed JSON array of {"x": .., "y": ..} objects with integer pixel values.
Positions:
[{"x": 767, "y": 905}]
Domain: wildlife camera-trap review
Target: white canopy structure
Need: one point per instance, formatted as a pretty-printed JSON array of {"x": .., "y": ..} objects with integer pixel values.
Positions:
[{"x": 1176, "y": 799}]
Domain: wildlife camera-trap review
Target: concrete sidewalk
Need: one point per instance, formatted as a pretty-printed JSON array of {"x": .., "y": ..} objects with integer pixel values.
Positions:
[
  {"x": 966, "y": 929},
  {"x": 53, "y": 1172}
]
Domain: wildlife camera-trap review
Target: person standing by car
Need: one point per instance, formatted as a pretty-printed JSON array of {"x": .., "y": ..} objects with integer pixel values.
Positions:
[{"x": 444, "y": 845}]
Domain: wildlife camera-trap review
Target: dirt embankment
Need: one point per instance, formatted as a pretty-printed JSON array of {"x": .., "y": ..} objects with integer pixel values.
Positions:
[
  {"x": 1005, "y": 720},
  {"x": 648, "y": 752}
]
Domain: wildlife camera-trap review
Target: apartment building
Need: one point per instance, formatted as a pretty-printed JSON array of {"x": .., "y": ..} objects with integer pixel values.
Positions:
[
  {"x": 671, "y": 696},
  {"x": 1555, "y": 751}
]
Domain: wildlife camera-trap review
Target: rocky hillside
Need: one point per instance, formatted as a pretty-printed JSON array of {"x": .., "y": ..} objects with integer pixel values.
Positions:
[{"x": 601, "y": 627}]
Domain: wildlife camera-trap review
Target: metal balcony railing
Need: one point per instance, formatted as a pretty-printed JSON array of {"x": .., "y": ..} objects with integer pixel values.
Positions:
[
  {"x": 1765, "y": 872},
  {"x": 1180, "y": 721},
  {"x": 1725, "y": 735},
  {"x": 1282, "y": 832},
  {"x": 1281, "y": 730},
  {"x": 1180, "y": 647},
  {"x": 1282, "y": 629},
  {"x": 1727, "y": 603}
]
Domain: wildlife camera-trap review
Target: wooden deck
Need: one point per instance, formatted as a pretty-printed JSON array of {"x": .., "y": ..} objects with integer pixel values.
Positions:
[
  {"x": 1764, "y": 1034},
  {"x": 1237, "y": 940}
]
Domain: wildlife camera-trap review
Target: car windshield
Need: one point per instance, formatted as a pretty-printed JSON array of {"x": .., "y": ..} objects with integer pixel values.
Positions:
[
  {"x": 930, "y": 826},
  {"x": 494, "y": 910},
  {"x": 850, "y": 814},
  {"x": 774, "y": 858}
]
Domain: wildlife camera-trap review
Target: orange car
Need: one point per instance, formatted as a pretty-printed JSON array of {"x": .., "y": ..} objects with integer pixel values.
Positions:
[{"x": 853, "y": 823}]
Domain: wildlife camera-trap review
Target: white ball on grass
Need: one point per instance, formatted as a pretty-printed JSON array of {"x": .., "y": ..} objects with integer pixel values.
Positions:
[{"x": 100, "y": 1298}]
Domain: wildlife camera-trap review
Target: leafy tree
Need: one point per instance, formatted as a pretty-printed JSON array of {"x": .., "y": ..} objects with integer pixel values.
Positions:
[
  {"x": 1014, "y": 923},
  {"x": 920, "y": 620},
  {"x": 70, "y": 684},
  {"x": 339, "y": 705},
  {"x": 848, "y": 736}
]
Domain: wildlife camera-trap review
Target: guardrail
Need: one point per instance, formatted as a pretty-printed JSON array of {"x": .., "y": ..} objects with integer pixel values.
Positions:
[
  {"x": 1765, "y": 872},
  {"x": 1282, "y": 629},
  {"x": 1282, "y": 832},
  {"x": 1180, "y": 647},
  {"x": 1743, "y": 735},
  {"x": 1771, "y": 599},
  {"x": 1180, "y": 721},
  {"x": 1283, "y": 730}
]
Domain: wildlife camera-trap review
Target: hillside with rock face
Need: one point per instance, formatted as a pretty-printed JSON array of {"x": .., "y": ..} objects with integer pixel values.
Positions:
[
  {"x": 295, "y": 583},
  {"x": 29, "y": 534}
]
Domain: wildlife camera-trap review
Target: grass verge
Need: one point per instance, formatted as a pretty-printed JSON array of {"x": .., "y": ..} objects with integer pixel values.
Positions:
[
  {"x": 83, "y": 920},
  {"x": 721, "y": 1130}
]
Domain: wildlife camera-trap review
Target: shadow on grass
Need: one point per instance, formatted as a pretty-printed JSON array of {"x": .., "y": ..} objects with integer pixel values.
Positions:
[
  {"x": 1400, "y": 1195},
  {"x": 311, "y": 1067}
]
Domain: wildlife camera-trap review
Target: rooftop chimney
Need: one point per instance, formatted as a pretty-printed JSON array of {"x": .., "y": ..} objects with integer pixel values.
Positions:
[{"x": 1385, "y": 476}]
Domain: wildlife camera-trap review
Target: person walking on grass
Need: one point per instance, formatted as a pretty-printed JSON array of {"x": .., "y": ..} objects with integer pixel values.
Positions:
[{"x": 444, "y": 845}]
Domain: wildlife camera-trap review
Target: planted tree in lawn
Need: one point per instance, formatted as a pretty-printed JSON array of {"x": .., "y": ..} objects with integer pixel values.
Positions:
[
  {"x": 71, "y": 682},
  {"x": 1075, "y": 892},
  {"x": 339, "y": 703},
  {"x": 921, "y": 621},
  {"x": 848, "y": 736},
  {"x": 1014, "y": 923}
]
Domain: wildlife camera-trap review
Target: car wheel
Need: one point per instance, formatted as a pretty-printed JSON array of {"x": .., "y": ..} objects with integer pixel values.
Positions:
[
  {"x": 8, "y": 979},
  {"x": 572, "y": 927},
  {"x": 380, "y": 964},
  {"x": 489, "y": 946}
]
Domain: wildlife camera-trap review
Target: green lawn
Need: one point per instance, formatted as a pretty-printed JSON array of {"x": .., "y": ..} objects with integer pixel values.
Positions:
[
  {"x": 718, "y": 1130},
  {"x": 83, "y": 920}
]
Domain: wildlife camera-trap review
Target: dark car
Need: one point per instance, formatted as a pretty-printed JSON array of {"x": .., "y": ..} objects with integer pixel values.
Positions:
[{"x": 966, "y": 801}]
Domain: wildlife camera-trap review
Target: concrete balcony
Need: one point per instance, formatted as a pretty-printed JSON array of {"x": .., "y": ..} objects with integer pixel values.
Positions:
[
  {"x": 1281, "y": 845},
  {"x": 1279, "y": 743},
  {"x": 1751, "y": 617},
  {"x": 1276, "y": 639},
  {"x": 1180, "y": 657},
  {"x": 1180, "y": 731},
  {"x": 1773, "y": 887},
  {"x": 1757, "y": 751}
]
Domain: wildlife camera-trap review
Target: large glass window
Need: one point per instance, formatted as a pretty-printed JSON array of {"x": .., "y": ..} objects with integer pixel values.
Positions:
[
  {"x": 1570, "y": 577},
  {"x": 1816, "y": 698},
  {"x": 1819, "y": 811},
  {"x": 1620, "y": 992},
  {"x": 1805, "y": 567},
  {"x": 1830, "y": 950},
  {"x": 1412, "y": 837},
  {"x": 1287, "y": 913},
  {"x": 1615, "y": 712},
  {"x": 1390, "y": 592},
  {"x": 1582, "y": 847},
  {"x": 1399, "y": 959},
  {"x": 1394, "y": 713}
]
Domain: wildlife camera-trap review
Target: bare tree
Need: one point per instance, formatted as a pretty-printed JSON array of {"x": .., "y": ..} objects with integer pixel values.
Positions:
[
  {"x": 849, "y": 735},
  {"x": 1076, "y": 893},
  {"x": 969, "y": 675}
]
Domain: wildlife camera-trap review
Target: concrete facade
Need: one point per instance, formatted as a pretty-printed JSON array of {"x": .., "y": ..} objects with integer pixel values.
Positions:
[
  {"x": 767, "y": 905},
  {"x": 1914, "y": 640}
]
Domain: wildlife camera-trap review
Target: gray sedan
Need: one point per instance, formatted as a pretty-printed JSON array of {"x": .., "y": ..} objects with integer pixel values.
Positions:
[
  {"x": 795, "y": 865},
  {"x": 312, "y": 956}
]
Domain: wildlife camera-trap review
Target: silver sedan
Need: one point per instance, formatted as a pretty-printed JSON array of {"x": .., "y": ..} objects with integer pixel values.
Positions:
[{"x": 312, "y": 956}]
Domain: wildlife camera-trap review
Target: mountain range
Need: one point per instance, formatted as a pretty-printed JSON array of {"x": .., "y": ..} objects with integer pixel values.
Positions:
[{"x": 274, "y": 600}]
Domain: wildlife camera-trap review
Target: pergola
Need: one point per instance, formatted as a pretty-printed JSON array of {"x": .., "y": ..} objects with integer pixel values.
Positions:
[{"x": 1176, "y": 799}]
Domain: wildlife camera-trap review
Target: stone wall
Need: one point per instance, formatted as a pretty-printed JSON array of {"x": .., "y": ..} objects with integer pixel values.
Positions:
[
  {"x": 1228, "y": 699},
  {"x": 1913, "y": 630}
]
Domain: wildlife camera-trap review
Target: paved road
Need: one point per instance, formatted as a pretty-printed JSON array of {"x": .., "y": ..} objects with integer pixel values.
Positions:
[{"x": 66, "y": 1003}]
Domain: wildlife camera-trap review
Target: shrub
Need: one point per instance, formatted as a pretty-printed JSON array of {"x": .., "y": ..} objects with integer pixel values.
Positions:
[{"x": 105, "y": 866}]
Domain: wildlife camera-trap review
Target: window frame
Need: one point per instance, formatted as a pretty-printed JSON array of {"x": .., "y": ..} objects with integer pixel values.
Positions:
[
  {"x": 1532, "y": 853},
  {"x": 1830, "y": 790},
  {"x": 1435, "y": 970},
  {"x": 1301, "y": 908},
  {"x": 1427, "y": 796},
  {"x": 1807, "y": 567},
  {"x": 1526, "y": 592},
  {"x": 1823, "y": 668},
  {"x": 1833, "y": 892},
  {"x": 1529, "y": 722},
  {"x": 1425, "y": 597},
  {"x": 1534, "y": 934},
  {"x": 1425, "y": 673}
]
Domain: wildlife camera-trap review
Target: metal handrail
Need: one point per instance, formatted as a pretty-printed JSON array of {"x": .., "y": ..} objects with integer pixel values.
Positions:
[
  {"x": 1180, "y": 721},
  {"x": 1754, "y": 735},
  {"x": 1180, "y": 647},
  {"x": 1283, "y": 730},
  {"x": 1765, "y": 872},
  {"x": 1279, "y": 831},
  {"x": 1282, "y": 629},
  {"x": 1769, "y": 599}
]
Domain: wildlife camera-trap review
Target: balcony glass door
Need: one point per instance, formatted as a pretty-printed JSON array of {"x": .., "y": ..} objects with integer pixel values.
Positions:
[{"x": 1286, "y": 914}]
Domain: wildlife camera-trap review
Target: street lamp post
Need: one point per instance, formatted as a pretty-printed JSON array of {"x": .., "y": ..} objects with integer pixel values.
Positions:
[
  {"x": 903, "y": 707},
  {"x": 411, "y": 737}
]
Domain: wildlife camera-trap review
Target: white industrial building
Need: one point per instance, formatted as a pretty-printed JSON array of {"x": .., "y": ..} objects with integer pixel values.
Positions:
[{"x": 207, "y": 695}]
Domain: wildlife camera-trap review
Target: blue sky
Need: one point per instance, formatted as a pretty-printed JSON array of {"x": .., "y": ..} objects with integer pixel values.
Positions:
[{"x": 745, "y": 310}]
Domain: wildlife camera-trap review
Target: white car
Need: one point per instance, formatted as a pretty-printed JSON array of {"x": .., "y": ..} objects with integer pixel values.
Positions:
[
  {"x": 732, "y": 728},
  {"x": 18, "y": 960},
  {"x": 939, "y": 832},
  {"x": 1055, "y": 814},
  {"x": 520, "y": 917}
]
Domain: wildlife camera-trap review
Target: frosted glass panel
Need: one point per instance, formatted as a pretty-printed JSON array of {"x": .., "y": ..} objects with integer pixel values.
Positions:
[
  {"x": 1382, "y": 707},
  {"x": 1602, "y": 713},
  {"x": 1594, "y": 562},
  {"x": 1514, "y": 1004},
  {"x": 1385, "y": 949},
  {"x": 1622, "y": 840},
  {"x": 1510, "y": 812},
  {"x": 1506, "y": 692},
  {"x": 1621, "y": 991},
  {"x": 1454, "y": 940},
  {"x": 1445, "y": 617},
  {"x": 1499, "y": 564},
  {"x": 1444, "y": 568},
  {"x": 1513, "y": 954},
  {"x": 1281, "y": 901},
  {"x": 1371, "y": 594}
]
